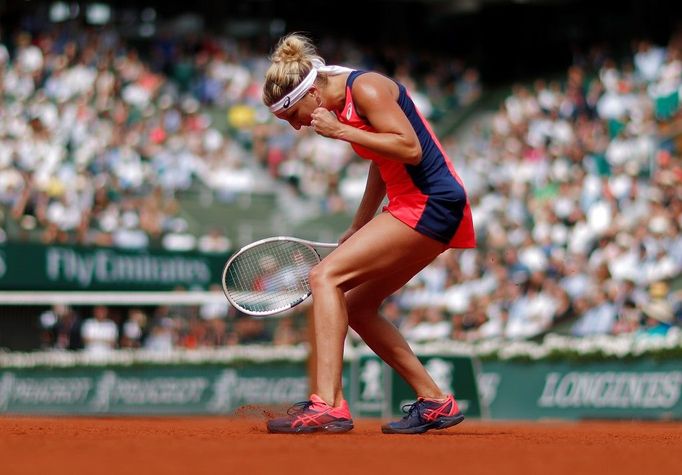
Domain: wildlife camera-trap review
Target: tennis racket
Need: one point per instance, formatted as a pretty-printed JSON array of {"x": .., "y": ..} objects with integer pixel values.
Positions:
[{"x": 271, "y": 275}]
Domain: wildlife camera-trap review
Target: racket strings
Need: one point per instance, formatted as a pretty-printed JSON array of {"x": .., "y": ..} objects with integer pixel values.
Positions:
[{"x": 270, "y": 276}]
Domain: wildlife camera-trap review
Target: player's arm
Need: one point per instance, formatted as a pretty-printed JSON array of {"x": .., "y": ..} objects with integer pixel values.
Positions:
[
  {"x": 375, "y": 99},
  {"x": 375, "y": 190}
]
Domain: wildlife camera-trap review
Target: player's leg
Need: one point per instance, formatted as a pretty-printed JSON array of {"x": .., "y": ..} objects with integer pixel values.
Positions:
[
  {"x": 383, "y": 248},
  {"x": 312, "y": 352},
  {"x": 433, "y": 409},
  {"x": 382, "y": 336}
]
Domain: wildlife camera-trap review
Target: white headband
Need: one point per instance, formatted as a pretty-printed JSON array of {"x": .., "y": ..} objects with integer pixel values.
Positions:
[{"x": 304, "y": 86}]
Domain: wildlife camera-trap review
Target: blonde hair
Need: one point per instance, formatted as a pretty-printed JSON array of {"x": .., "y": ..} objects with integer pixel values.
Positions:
[{"x": 291, "y": 63}]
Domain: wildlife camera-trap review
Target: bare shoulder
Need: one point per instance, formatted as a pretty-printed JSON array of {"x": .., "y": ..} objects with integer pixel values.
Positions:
[{"x": 374, "y": 88}]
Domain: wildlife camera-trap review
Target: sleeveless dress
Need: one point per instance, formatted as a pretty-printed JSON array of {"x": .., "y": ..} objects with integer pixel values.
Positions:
[{"x": 429, "y": 197}]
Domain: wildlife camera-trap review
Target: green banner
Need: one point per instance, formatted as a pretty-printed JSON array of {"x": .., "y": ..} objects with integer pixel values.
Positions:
[
  {"x": 369, "y": 384},
  {"x": 636, "y": 388},
  {"x": 642, "y": 388},
  {"x": 40, "y": 267},
  {"x": 152, "y": 389},
  {"x": 372, "y": 385},
  {"x": 381, "y": 392}
]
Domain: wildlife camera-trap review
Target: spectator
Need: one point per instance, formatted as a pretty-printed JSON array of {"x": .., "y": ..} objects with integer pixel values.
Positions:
[
  {"x": 495, "y": 323},
  {"x": 599, "y": 319},
  {"x": 432, "y": 326},
  {"x": 134, "y": 329},
  {"x": 531, "y": 314},
  {"x": 658, "y": 318},
  {"x": 100, "y": 334},
  {"x": 163, "y": 334},
  {"x": 177, "y": 238},
  {"x": 214, "y": 242},
  {"x": 216, "y": 308},
  {"x": 58, "y": 325}
]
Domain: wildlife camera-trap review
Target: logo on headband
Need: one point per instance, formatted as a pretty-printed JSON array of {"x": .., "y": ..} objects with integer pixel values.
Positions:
[{"x": 287, "y": 102}]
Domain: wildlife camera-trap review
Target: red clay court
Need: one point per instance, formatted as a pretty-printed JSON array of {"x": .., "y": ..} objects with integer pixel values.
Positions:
[{"x": 41, "y": 445}]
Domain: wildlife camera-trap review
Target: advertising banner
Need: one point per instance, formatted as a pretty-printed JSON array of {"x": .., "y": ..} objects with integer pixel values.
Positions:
[
  {"x": 642, "y": 388},
  {"x": 153, "y": 389},
  {"x": 39, "y": 267}
]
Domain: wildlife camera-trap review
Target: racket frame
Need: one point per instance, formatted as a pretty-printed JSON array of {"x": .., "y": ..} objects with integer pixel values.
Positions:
[{"x": 312, "y": 245}]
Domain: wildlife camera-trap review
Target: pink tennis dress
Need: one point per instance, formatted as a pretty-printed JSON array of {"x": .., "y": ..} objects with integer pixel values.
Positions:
[{"x": 429, "y": 197}]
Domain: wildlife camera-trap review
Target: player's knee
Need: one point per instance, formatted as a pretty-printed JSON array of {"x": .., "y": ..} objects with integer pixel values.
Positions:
[{"x": 320, "y": 276}]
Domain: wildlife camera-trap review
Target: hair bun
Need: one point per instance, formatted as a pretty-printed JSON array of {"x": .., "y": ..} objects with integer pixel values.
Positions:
[
  {"x": 291, "y": 61},
  {"x": 292, "y": 49}
]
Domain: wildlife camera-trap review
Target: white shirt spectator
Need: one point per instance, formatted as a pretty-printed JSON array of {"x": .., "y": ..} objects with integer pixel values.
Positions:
[
  {"x": 534, "y": 258},
  {"x": 18, "y": 84},
  {"x": 494, "y": 326},
  {"x": 514, "y": 109},
  {"x": 619, "y": 151},
  {"x": 99, "y": 336},
  {"x": 214, "y": 309},
  {"x": 30, "y": 59},
  {"x": 611, "y": 106},
  {"x": 132, "y": 330},
  {"x": 547, "y": 99},
  {"x": 609, "y": 76},
  {"x": 669, "y": 80},
  {"x": 500, "y": 123},
  {"x": 434, "y": 276},
  {"x": 662, "y": 268},
  {"x": 625, "y": 265},
  {"x": 214, "y": 242},
  {"x": 457, "y": 298},
  {"x": 65, "y": 214},
  {"x": 538, "y": 131},
  {"x": 599, "y": 217},
  {"x": 162, "y": 336},
  {"x": 581, "y": 237},
  {"x": 598, "y": 320},
  {"x": 562, "y": 132},
  {"x": 648, "y": 62},
  {"x": 136, "y": 95},
  {"x": 130, "y": 238},
  {"x": 432, "y": 328},
  {"x": 530, "y": 315},
  {"x": 179, "y": 241}
]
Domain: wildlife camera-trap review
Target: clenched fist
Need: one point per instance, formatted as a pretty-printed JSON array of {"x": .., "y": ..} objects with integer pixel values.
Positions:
[{"x": 325, "y": 123}]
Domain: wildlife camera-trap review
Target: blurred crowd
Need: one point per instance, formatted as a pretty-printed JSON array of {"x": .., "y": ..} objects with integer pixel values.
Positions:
[
  {"x": 576, "y": 194},
  {"x": 574, "y": 182},
  {"x": 95, "y": 142},
  {"x": 100, "y": 329}
]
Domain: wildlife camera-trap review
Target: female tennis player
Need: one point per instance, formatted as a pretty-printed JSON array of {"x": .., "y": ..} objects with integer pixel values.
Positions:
[{"x": 427, "y": 213}]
